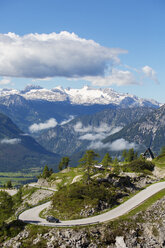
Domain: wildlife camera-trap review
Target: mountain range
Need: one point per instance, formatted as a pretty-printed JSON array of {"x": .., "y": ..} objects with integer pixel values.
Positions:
[
  {"x": 88, "y": 131},
  {"x": 87, "y": 118},
  {"x": 85, "y": 96},
  {"x": 37, "y": 105}
]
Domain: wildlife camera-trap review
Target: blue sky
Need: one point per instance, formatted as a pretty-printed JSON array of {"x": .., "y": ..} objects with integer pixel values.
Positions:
[{"x": 126, "y": 52}]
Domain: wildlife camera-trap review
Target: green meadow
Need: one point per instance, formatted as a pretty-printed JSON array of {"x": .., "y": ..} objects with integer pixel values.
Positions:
[{"x": 19, "y": 178}]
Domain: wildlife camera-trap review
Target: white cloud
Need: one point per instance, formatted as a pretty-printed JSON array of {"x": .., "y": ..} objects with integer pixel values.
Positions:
[
  {"x": 117, "y": 145},
  {"x": 78, "y": 127},
  {"x": 93, "y": 136},
  {"x": 49, "y": 55},
  {"x": 41, "y": 126},
  {"x": 10, "y": 141},
  {"x": 117, "y": 77},
  {"x": 102, "y": 128},
  {"x": 149, "y": 72},
  {"x": 71, "y": 117},
  {"x": 5, "y": 81},
  {"x": 98, "y": 145},
  {"x": 121, "y": 144}
]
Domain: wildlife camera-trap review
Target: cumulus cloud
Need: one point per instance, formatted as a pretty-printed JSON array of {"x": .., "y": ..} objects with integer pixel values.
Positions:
[
  {"x": 117, "y": 77},
  {"x": 10, "y": 141},
  {"x": 49, "y": 55},
  {"x": 43, "y": 125},
  {"x": 71, "y": 117},
  {"x": 117, "y": 145},
  {"x": 149, "y": 72},
  {"x": 5, "y": 81}
]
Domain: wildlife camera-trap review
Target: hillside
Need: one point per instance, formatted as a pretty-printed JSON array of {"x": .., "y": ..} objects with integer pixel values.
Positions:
[
  {"x": 143, "y": 226},
  {"x": 19, "y": 151},
  {"x": 77, "y": 135},
  {"x": 150, "y": 127}
]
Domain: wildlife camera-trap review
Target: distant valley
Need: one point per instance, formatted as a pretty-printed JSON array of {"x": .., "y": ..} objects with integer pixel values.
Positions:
[{"x": 19, "y": 151}]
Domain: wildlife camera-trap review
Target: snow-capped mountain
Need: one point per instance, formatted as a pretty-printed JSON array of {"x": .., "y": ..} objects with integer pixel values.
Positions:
[{"x": 84, "y": 96}]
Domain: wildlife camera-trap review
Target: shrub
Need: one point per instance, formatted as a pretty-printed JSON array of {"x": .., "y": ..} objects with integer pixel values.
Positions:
[{"x": 139, "y": 166}]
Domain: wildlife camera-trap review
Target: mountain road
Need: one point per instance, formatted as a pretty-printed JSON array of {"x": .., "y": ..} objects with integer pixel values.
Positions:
[{"x": 32, "y": 215}]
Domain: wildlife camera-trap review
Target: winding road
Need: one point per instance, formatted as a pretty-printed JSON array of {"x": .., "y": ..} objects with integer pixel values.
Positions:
[{"x": 32, "y": 215}]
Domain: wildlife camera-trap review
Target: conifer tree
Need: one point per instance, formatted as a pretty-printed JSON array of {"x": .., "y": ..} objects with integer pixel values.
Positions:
[
  {"x": 45, "y": 173},
  {"x": 106, "y": 160},
  {"x": 87, "y": 161}
]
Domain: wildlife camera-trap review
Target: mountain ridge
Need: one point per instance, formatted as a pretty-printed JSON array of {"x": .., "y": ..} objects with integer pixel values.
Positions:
[
  {"x": 20, "y": 151},
  {"x": 84, "y": 96},
  {"x": 150, "y": 127}
]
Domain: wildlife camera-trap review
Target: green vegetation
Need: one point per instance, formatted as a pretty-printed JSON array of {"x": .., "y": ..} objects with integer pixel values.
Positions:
[
  {"x": 6, "y": 206},
  {"x": 129, "y": 155},
  {"x": 107, "y": 160},
  {"x": 66, "y": 176},
  {"x": 9, "y": 184},
  {"x": 17, "y": 178},
  {"x": 160, "y": 160},
  {"x": 46, "y": 172},
  {"x": 87, "y": 161},
  {"x": 64, "y": 163},
  {"x": 138, "y": 165},
  {"x": 10, "y": 230},
  {"x": 70, "y": 200}
]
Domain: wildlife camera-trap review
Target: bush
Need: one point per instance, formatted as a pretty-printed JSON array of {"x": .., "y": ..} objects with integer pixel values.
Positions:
[
  {"x": 139, "y": 166},
  {"x": 70, "y": 200},
  {"x": 11, "y": 230}
]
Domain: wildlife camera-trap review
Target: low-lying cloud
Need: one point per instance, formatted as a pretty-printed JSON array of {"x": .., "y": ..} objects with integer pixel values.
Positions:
[
  {"x": 117, "y": 145},
  {"x": 61, "y": 54},
  {"x": 93, "y": 136},
  {"x": 102, "y": 128},
  {"x": 43, "y": 125},
  {"x": 14, "y": 141},
  {"x": 51, "y": 123},
  {"x": 95, "y": 133},
  {"x": 71, "y": 117}
]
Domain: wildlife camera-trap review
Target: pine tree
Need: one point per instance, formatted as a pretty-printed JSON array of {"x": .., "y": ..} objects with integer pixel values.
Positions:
[
  {"x": 45, "y": 172},
  {"x": 9, "y": 184},
  {"x": 60, "y": 166},
  {"x": 106, "y": 160},
  {"x": 87, "y": 161},
  {"x": 64, "y": 163},
  {"x": 124, "y": 154},
  {"x": 115, "y": 161}
]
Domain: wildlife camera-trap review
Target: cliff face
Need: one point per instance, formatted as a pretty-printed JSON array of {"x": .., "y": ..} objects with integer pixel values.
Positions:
[{"x": 143, "y": 230}]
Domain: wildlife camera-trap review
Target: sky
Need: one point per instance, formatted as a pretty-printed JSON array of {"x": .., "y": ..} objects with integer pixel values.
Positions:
[{"x": 103, "y": 43}]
